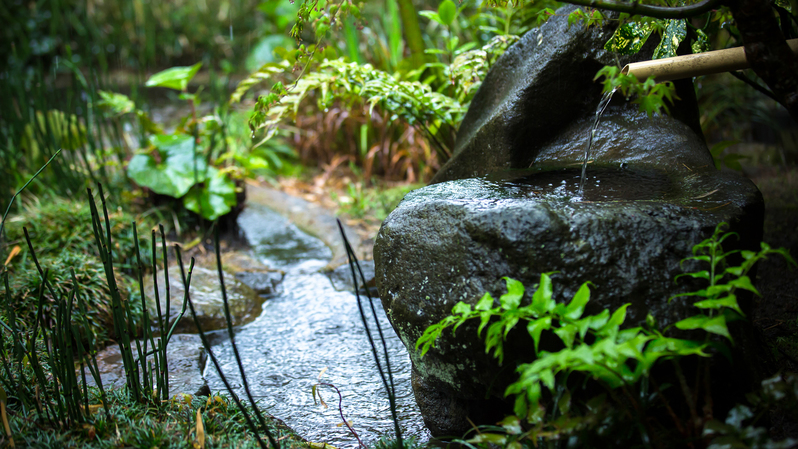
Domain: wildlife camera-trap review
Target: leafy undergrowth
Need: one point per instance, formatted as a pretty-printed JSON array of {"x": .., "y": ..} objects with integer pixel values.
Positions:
[{"x": 184, "y": 421}]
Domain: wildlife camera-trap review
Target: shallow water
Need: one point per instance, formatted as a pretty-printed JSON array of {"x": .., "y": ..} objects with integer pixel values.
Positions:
[
  {"x": 601, "y": 184},
  {"x": 305, "y": 328}
]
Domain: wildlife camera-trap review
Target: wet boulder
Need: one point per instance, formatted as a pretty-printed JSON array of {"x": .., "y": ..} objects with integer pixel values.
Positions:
[{"x": 508, "y": 204}]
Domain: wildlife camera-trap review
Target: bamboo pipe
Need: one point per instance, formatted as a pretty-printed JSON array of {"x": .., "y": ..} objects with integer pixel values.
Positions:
[{"x": 688, "y": 66}]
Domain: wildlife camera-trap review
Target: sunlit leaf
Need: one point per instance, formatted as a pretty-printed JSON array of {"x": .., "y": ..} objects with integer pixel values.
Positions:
[
  {"x": 174, "y": 78},
  {"x": 727, "y": 301},
  {"x": 675, "y": 32},
  {"x": 629, "y": 38},
  {"x": 541, "y": 299},
  {"x": 484, "y": 303},
  {"x": 462, "y": 308},
  {"x": 576, "y": 307},
  {"x": 447, "y": 12},
  {"x": 515, "y": 291},
  {"x": 715, "y": 325},
  {"x": 511, "y": 424},
  {"x": 115, "y": 103},
  {"x": 566, "y": 334},
  {"x": 536, "y": 327}
]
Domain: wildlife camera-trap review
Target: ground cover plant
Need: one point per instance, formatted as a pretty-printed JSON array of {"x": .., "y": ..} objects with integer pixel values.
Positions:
[
  {"x": 49, "y": 403},
  {"x": 627, "y": 363}
]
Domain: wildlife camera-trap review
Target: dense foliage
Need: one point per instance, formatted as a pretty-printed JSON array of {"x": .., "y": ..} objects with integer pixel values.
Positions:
[{"x": 624, "y": 360}]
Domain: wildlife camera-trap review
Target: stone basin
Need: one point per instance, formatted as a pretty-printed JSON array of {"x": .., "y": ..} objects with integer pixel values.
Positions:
[
  {"x": 454, "y": 241},
  {"x": 507, "y": 204}
]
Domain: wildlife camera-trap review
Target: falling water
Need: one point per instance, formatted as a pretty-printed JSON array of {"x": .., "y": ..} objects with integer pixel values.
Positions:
[{"x": 605, "y": 101}]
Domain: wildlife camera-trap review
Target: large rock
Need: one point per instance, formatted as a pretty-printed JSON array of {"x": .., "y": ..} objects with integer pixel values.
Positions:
[
  {"x": 653, "y": 193},
  {"x": 542, "y": 89}
]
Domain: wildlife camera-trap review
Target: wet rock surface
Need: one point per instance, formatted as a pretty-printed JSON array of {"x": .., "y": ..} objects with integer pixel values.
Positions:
[
  {"x": 341, "y": 278},
  {"x": 507, "y": 204},
  {"x": 473, "y": 232},
  {"x": 206, "y": 296}
]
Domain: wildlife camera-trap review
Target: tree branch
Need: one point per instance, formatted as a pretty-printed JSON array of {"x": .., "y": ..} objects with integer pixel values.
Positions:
[
  {"x": 659, "y": 12},
  {"x": 754, "y": 85}
]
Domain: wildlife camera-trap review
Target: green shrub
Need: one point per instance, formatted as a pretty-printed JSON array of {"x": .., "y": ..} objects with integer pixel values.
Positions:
[{"x": 624, "y": 362}]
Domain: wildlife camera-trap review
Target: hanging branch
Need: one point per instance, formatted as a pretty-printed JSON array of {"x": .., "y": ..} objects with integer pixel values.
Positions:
[{"x": 659, "y": 12}]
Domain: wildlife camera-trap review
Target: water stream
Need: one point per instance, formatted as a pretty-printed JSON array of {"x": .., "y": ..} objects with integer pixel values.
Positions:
[
  {"x": 605, "y": 101},
  {"x": 307, "y": 327}
]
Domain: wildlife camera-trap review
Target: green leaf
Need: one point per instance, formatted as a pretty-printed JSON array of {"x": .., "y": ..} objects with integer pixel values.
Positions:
[
  {"x": 577, "y": 305},
  {"x": 213, "y": 199},
  {"x": 511, "y": 424},
  {"x": 485, "y": 303},
  {"x": 728, "y": 301},
  {"x": 461, "y": 308},
  {"x": 490, "y": 438},
  {"x": 567, "y": 334},
  {"x": 718, "y": 148},
  {"x": 744, "y": 282},
  {"x": 675, "y": 32},
  {"x": 432, "y": 15},
  {"x": 174, "y": 78},
  {"x": 715, "y": 325},
  {"x": 515, "y": 291},
  {"x": 615, "y": 321},
  {"x": 175, "y": 174},
  {"x": 115, "y": 103},
  {"x": 701, "y": 44},
  {"x": 541, "y": 300},
  {"x": 629, "y": 38},
  {"x": 536, "y": 327},
  {"x": 447, "y": 11},
  {"x": 733, "y": 161}
]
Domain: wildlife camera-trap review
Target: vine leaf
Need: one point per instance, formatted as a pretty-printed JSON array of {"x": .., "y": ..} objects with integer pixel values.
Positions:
[
  {"x": 675, "y": 32},
  {"x": 629, "y": 38}
]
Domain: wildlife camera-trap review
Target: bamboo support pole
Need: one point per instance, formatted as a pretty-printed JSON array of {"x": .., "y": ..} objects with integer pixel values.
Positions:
[{"x": 688, "y": 66}]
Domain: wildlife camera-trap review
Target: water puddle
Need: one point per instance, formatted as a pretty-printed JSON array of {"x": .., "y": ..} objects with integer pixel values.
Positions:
[
  {"x": 304, "y": 329},
  {"x": 603, "y": 184}
]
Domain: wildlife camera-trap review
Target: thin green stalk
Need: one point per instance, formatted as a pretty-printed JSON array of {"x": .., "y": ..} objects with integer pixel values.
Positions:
[
  {"x": 161, "y": 327},
  {"x": 165, "y": 338},
  {"x": 186, "y": 285},
  {"x": 142, "y": 360},
  {"x": 104, "y": 246},
  {"x": 390, "y": 387},
  {"x": 93, "y": 367},
  {"x": 14, "y": 197}
]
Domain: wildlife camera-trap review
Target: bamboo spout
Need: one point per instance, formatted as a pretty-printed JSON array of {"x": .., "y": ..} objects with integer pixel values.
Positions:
[{"x": 688, "y": 66}]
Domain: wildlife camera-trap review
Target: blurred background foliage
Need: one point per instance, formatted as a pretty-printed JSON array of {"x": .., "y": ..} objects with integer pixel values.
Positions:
[
  {"x": 380, "y": 86},
  {"x": 75, "y": 71}
]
